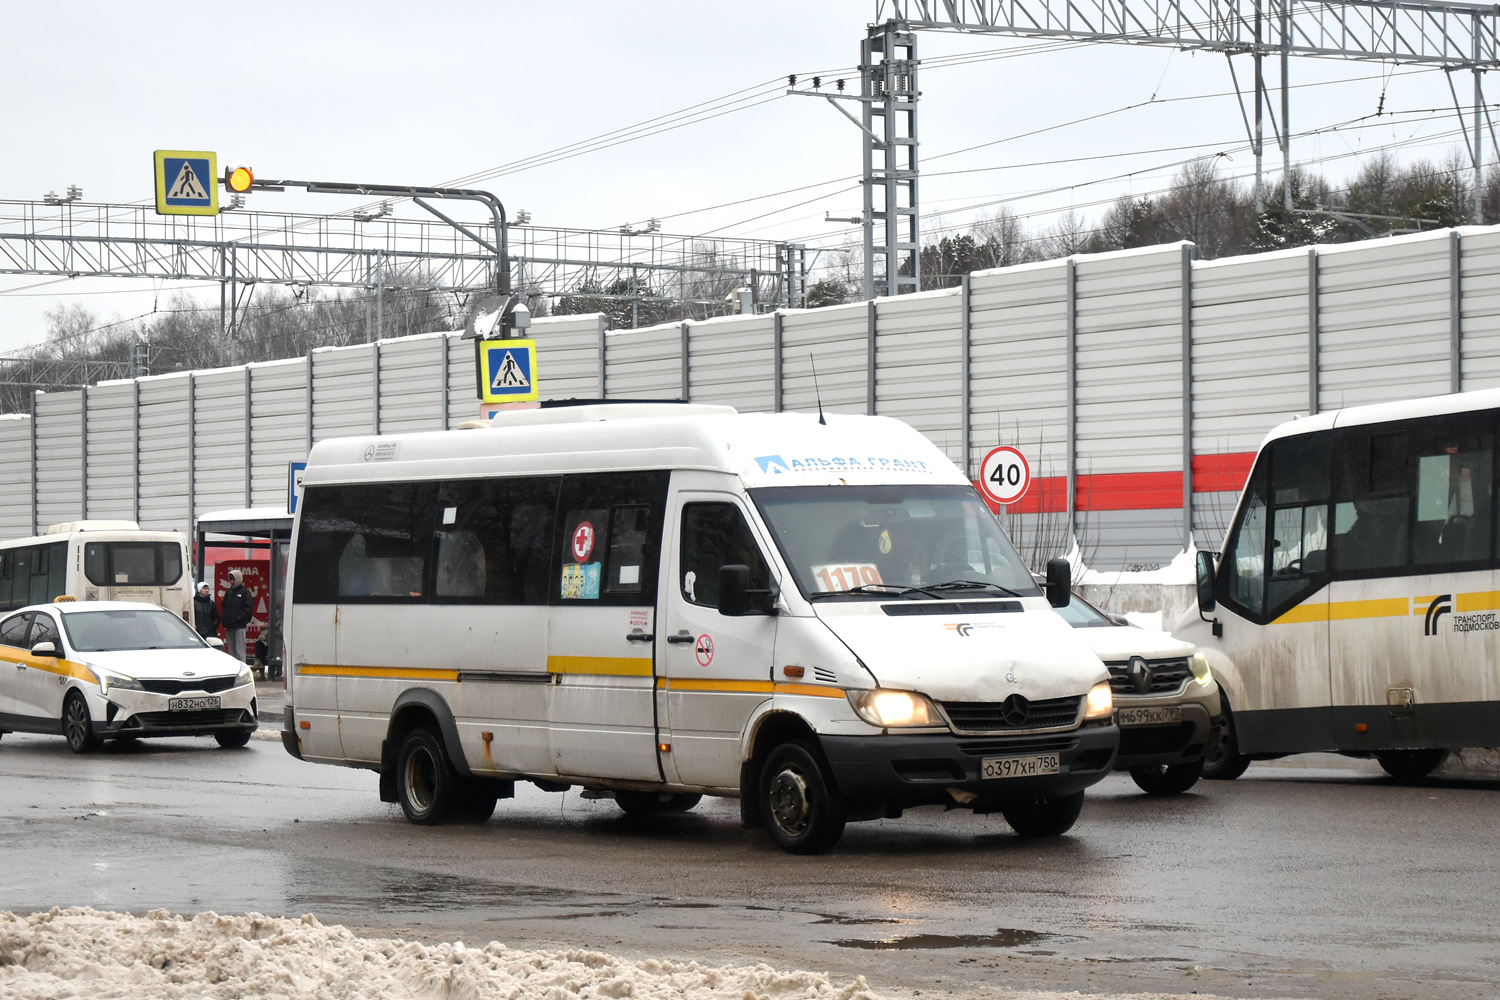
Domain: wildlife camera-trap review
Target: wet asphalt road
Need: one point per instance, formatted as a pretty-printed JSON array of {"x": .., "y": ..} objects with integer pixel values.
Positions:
[{"x": 1316, "y": 877}]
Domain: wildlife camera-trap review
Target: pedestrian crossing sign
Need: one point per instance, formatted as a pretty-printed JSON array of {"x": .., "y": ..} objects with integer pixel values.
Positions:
[
  {"x": 187, "y": 182},
  {"x": 508, "y": 370}
]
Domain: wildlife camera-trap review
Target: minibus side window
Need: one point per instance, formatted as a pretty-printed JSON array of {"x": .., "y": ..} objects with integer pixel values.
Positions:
[
  {"x": 95, "y": 565},
  {"x": 1453, "y": 516},
  {"x": 1372, "y": 516},
  {"x": 608, "y": 546},
  {"x": 493, "y": 540},
  {"x": 1242, "y": 576},
  {"x": 48, "y": 567},
  {"x": 1298, "y": 554},
  {"x": 715, "y": 535},
  {"x": 365, "y": 543},
  {"x": 7, "y": 580}
]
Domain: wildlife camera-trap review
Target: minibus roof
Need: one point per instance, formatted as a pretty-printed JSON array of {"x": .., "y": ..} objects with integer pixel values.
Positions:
[
  {"x": 763, "y": 449},
  {"x": 1379, "y": 413}
]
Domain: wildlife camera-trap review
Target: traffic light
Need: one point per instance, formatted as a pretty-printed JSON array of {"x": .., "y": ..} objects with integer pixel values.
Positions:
[{"x": 239, "y": 179}]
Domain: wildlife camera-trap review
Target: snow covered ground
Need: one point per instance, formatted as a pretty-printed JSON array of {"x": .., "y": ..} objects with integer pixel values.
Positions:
[{"x": 82, "y": 952}]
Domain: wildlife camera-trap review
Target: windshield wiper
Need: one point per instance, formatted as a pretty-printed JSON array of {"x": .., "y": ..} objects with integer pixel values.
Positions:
[
  {"x": 874, "y": 588},
  {"x": 973, "y": 585}
]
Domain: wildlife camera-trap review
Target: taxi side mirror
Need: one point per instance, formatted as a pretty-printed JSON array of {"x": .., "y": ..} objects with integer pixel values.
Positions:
[
  {"x": 47, "y": 648},
  {"x": 1205, "y": 582},
  {"x": 1059, "y": 582},
  {"x": 734, "y": 590},
  {"x": 214, "y": 641}
]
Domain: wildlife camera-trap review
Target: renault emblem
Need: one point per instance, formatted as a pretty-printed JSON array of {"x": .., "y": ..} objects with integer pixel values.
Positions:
[{"x": 1140, "y": 674}]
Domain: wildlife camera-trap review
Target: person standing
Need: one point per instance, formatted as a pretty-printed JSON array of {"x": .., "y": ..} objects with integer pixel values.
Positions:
[
  {"x": 236, "y": 610},
  {"x": 205, "y": 612}
]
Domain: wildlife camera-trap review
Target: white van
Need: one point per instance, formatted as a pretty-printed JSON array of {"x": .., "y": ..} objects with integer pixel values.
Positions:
[{"x": 662, "y": 601}]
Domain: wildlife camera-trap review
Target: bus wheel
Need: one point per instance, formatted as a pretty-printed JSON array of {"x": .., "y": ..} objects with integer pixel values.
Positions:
[
  {"x": 77, "y": 726},
  {"x": 1049, "y": 817},
  {"x": 479, "y": 800},
  {"x": 428, "y": 787},
  {"x": 655, "y": 803},
  {"x": 802, "y": 812},
  {"x": 1222, "y": 761},
  {"x": 233, "y": 740},
  {"x": 1164, "y": 779},
  {"x": 1410, "y": 765}
]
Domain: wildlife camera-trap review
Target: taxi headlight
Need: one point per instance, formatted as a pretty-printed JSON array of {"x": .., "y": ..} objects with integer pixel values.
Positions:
[
  {"x": 108, "y": 681},
  {"x": 1199, "y": 666},
  {"x": 894, "y": 708},
  {"x": 1101, "y": 702},
  {"x": 245, "y": 677}
]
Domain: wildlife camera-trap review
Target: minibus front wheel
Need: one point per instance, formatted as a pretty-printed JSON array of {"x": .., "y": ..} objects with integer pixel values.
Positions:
[
  {"x": 1051, "y": 816},
  {"x": 803, "y": 814}
]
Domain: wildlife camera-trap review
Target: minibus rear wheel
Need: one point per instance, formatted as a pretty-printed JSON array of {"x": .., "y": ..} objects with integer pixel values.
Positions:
[
  {"x": 1410, "y": 765},
  {"x": 1044, "y": 817},
  {"x": 426, "y": 783},
  {"x": 803, "y": 814}
]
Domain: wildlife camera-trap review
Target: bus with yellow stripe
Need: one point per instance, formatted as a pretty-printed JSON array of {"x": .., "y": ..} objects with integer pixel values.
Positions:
[
  {"x": 657, "y": 602},
  {"x": 1356, "y": 604}
]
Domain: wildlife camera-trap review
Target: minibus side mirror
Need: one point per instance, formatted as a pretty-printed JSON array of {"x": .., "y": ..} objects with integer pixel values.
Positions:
[
  {"x": 1205, "y": 582},
  {"x": 734, "y": 590},
  {"x": 1059, "y": 582},
  {"x": 48, "y": 648}
]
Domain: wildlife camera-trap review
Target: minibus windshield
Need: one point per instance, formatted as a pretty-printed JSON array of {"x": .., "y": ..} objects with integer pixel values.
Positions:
[{"x": 916, "y": 541}]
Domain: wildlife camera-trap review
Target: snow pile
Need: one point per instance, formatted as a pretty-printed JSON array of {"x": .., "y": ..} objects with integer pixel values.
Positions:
[{"x": 82, "y": 952}]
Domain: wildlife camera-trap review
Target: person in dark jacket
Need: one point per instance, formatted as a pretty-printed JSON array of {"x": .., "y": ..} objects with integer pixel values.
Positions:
[
  {"x": 236, "y": 610},
  {"x": 205, "y": 612}
]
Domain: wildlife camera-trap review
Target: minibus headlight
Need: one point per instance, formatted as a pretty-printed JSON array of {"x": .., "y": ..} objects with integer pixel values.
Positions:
[
  {"x": 108, "y": 682},
  {"x": 245, "y": 677},
  {"x": 894, "y": 708},
  {"x": 1199, "y": 666},
  {"x": 1101, "y": 702}
]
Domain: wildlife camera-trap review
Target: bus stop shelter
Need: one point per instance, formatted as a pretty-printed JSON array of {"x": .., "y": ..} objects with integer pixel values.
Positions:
[{"x": 267, "y": 529}]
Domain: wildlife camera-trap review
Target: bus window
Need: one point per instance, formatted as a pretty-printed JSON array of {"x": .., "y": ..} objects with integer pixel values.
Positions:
[
  {"x": 492, "y": 541},
  {"x": 369, "y": 542},
  {"x": 132, "y": 564},
  {"x": 714, "y": 535},
  {"x": 610, "y": 538},
  {"x": 1453, "y": 501},
  {"x": 1372, "y": 516},
  {"x": 7, "y": 581}
]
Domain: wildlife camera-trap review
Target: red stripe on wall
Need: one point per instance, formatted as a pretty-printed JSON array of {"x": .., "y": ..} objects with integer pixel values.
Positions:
[
  {"x": 1221, "y": 473},
  {"x": 1134, "y": 490}
]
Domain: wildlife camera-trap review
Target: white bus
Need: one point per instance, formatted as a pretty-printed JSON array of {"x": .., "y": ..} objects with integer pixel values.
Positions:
[
  {"x": 657, "y": 602},
  {"x": 97, "y": 561},
  {"x": 1356, "y": 605}
]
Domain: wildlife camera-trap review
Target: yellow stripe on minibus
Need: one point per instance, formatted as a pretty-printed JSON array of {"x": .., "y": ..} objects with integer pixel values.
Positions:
[
  {"x": 394, "y": 673},
  {"x": 609, "y": 666},
  {"x": 1484, "y": 600},
  {"x": 693, "y": 684},
  {"x": 1387, "y": 607},
  {"x": 811, "y": 690}
]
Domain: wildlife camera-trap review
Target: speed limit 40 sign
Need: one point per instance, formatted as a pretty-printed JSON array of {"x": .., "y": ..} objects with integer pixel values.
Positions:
[{"x": 1005, "y": 476}]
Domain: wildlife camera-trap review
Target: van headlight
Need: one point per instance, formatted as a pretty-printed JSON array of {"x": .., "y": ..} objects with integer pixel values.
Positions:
[
  {"x": 1101, "y": 702},
  {"x": 109, "y": 681},
  {"x": 245, "y": 677},
  {"x": 894, "y": 708},
  {"x": 1199, "y": 666}
]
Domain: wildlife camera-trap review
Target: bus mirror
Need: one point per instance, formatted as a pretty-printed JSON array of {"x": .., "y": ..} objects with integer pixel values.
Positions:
[
  {"x": 48, "y": 648},
  {"x": 1059, "y": 582},
  {"x": 734, "y": 590},
  {"x": 1205, "y": 582}
]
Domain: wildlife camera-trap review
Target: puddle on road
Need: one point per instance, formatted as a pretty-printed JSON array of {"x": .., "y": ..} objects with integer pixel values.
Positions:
[
  {"x": 1005, "y": 937},
  {"x": 389, "y": 890}
]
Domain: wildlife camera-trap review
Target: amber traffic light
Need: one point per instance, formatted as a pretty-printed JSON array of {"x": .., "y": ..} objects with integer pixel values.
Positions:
[{"x": 239, "y": 179}]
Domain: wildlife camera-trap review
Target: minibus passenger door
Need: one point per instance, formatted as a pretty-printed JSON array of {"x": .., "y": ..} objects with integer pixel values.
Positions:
[{"x": 717, "y": 666}]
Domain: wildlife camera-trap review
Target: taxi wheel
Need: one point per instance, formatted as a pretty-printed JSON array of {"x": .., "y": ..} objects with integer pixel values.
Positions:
[
  {"x": 1222, "y": 760},
  {"x": 1410, "y": 765},
  {"x": 428, "y": 787},
  {"x": 804, "y": 815},
  {"x": 233, "y": 740},
  {"x": 1048, "y": 817},
  {"x": 77, "y": 726},
  {"x": 655, "y": 803},
  {"x": 1163, "y": 779}
]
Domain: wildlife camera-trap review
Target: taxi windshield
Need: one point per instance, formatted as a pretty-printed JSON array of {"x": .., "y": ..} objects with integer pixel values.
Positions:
[
  {"x": 915, "y": 541},
  {"x": 97, "y": 631}
]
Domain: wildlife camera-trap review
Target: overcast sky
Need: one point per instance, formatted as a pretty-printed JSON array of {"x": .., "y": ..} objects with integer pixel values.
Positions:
[{"x": 429, "y": 93}]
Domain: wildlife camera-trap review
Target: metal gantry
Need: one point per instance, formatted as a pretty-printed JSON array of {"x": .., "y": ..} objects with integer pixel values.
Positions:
[
  {"x": 1449, "y": 36},
  {"x": 372, "y": 251}
]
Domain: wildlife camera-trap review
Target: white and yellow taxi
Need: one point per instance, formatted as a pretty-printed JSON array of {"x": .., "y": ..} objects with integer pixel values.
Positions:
[{"x": 98, "y": 670}]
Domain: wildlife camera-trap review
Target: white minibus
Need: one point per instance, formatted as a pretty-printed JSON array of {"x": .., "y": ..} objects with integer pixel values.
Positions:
[
  {"x": 97, "y": 561},
  {"x": 655, "y": 602},
  {"x": 1356, "y": 605}
]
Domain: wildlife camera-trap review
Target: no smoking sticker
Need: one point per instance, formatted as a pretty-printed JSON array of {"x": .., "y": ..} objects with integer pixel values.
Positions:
[
  {"x": 583, "y": 542},
  {"x": 704, "y": 648}
]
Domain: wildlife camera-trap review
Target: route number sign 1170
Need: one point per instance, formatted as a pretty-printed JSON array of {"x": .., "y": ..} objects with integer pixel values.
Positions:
[{"x": 1004, "y": 476}]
